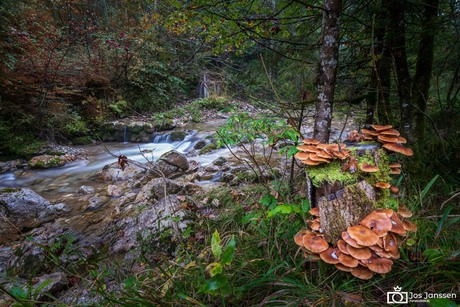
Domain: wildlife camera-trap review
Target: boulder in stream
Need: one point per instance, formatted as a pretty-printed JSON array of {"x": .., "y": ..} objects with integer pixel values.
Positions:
[{"x": 22, "y": 209}]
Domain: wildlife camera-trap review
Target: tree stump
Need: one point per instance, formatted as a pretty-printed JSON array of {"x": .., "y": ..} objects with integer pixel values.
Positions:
[
  {"x": 341, "y": 205},
  {"x": 344, "y": 207}
]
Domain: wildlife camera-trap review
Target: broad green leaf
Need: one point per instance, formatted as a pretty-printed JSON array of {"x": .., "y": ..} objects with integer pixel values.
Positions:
[
  {"x": 215, "y": 245},
  {"x": 305, "y": 205},
  {"x": 268, "y": 200},
  {"x": 283, "y": 209},
  {"x": 213, "y": 285},
  {"x": 18, "y": 292},
  {"x": 229, "y": 252},
  {"x": 214, "y": 268}
]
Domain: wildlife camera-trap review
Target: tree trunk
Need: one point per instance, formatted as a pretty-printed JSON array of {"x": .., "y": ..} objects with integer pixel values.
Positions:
[
  {"x": 378, "y": 97},
  {"x": 424, "y": 67},
  {"x": 397, "y": 36},
  {"x": 329, "y": 55}
]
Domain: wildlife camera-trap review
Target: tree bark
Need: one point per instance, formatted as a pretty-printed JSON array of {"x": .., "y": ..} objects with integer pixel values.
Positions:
[
  {"x": 341, "y": 208},
  {"x": 397, "y": 37},
  {"x": 424, "y": 67},
  {"x": 329, "y": 55}
]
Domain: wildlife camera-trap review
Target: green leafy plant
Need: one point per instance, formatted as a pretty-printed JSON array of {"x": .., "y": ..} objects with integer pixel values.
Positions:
[
  {"x": 257, "y": 138},
  {"x": 119, "y": 107},
  {"x": 218, "y": 283}
]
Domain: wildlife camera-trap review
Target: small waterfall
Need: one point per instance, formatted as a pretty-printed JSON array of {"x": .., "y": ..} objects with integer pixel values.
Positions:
[
  {"x": 162, "y": 138},
  {"x": 125, "y": 135}
]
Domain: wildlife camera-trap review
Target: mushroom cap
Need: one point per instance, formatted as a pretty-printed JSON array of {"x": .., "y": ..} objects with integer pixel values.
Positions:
[
  {"x": 314, "y": 211},
  {"x": 310, "y": 162},
  {"x": 348, "y": 260},
  {"x": 302, "y": 156},
  {"x": 379, "y": 265},
  {"x": 369, "y": 132},
  {"x": 310, "y": 141},
  {"x": 397, "y": 226},
  {"x": 380, "y": 128},
  {"x": 362, "y": 235},
  {"x": 394, "y": 165},
  {"x": 387, "y": 138},
  {"x": 403, "y": 211},
  {"x": 392, "y": 132},
  {"x": 315, "y": 243},
  {"x": 322, "y": 154},
  {"x": 368, "y": 168},
  {"x": 382, "y": 185},
  {"x": 331, "y": 147},
  {"x": 315, "y": 225},
  {"x": 359, "y": 253},
  {"x": 378, "y": 222},
  {"x": 346, "y": 237},
  {"x": 330, "y": 255},
  {"x": 304, "y": 147},
  {"x": 384, "y": 254},
  {"x": 397, "y": 147},
  {"x": 341, "y": 154},
  {"x": 394, "y": 190},
  {"x": 342, "y": 267},
  {"x": 395, "y": 171},
  {"x": 362, "y": 272},
  {"x": 308, "y": 148},
  {"x": 390, "y": 243},
  {"x": 402, "y": 140},
  {"x": 342, "y": 245},
  {"x": 409, "y": 226},
  {"x": 388, "y": 212},
  {"x": 316, "y": 158},
  {"x": 298, "y": 238}
]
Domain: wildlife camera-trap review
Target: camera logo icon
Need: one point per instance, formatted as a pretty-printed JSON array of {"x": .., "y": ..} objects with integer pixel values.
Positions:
[{"x": 397, "y": 297}]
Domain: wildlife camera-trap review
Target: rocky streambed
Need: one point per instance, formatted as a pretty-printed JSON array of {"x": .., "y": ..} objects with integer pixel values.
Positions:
[{"x": 54, "y": 221}]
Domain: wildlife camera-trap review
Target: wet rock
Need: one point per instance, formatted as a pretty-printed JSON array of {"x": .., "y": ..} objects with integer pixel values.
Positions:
[
  {"x": 113, "y": 172},
  {"x": 22, "y": 209},
  {"x": 205, "y": 176},
  {"x": 11, "y": 166},
  {"x": 158, "y": 188},
  {"x": 227, "y": 177},
  {"x": 85, "y": 190},
  {"x": 165, "y": 215},
  {"x": 193, "y": 166},
  {"x": 211, "y": 168},
  {"x": 178, "y": 135},
  {"x": 114, "y": 191},
  {"x": 47, "y": 161},
  {"x": 97, "y": 202},
  {"x": 176, "y": 159},
  {"x": 50, "y": 283},
  {"x": 219, "y": 161},
  {"x": 200, "y": 144},
  {"x": 61, "y": 208}
]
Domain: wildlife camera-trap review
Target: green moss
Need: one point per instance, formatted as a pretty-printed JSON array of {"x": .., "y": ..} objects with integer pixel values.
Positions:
[
  {"x": 9, "y": 190},
  {"x": 84, "y": 140},
  {"x": 208, "y": 148},
  {"x": 330, "y": 173}
]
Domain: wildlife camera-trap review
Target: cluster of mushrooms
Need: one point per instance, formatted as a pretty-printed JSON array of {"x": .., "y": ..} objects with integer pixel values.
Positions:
[
  {"x": 312, "y": 152},
  {"x": 364, "y": 249},
  {"x": 389, "y": 137},
  {"x": 370, "y": 246}
]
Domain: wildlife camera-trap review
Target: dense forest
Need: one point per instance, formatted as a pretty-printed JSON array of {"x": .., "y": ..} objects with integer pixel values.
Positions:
[{"x": 275, "y": 69}]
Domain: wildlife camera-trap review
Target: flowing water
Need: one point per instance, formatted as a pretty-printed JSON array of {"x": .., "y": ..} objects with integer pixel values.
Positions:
[{"x": 68, "y": 178}]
